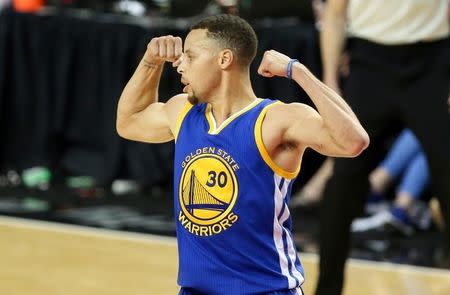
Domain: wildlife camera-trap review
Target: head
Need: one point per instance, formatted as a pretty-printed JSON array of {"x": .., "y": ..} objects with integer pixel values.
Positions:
[{"x": 215, "y": 47}]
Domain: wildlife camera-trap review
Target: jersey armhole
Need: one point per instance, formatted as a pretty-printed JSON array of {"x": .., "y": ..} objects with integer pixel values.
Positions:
[
  {"x": 262, "y": 149},
  {"x": 181, "y": 117}
]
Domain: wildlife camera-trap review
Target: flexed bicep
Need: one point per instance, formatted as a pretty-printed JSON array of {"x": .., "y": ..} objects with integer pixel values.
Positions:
[
  {"x": 139, "y": 115},
  {"x": 156, "y": 123},
  {"x": 305, "y": 127},
  {"x": 149, "y": 125}
]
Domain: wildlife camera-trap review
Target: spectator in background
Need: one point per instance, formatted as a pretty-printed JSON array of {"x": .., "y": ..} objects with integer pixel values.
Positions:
[
  {"x": 405, "y": 159},
  {"x": 399, "y": 71}
]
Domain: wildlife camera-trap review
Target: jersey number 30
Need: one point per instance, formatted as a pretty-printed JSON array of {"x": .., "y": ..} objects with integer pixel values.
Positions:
[{"x": 219, "y": 179}]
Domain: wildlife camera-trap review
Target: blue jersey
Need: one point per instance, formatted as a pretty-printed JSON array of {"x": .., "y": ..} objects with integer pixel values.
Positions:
[{"x": 231, "y": 206}]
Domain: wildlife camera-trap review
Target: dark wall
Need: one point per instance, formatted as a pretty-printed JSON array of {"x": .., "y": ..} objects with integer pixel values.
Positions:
[{"x": 60, "y": 80}]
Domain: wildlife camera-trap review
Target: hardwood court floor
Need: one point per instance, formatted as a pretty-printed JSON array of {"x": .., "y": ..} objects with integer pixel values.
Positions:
[{"x": 47, "y": 258}]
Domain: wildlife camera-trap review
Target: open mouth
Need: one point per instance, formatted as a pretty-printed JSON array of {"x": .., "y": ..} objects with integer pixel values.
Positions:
[{"x": 187, "y": 86}]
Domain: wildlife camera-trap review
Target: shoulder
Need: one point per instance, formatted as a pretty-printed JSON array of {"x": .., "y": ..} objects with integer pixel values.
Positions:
[
  {"x": 175, "y": 105},
  {"x": 283, "y": 120},
  {"x": 176, "y": 108}
]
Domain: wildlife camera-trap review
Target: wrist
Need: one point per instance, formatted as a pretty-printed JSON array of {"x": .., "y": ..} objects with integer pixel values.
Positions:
[
  {"x": 297, "y": 70},
  {"x": 151, "y": 63},
  {"x": 151, "y": 60},
  {"x": 290, "y": 67}
]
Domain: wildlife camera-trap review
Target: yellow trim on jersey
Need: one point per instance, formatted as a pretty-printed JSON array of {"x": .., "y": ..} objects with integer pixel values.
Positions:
[
  {"x": 213, "y": 129},
  {"x": 262, "y": 149},
  {"x": 180, "y": 118},
  {"x": 210, "y": 119}
]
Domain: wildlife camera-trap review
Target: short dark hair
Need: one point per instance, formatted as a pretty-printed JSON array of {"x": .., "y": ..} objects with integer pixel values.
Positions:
[{"x": 234, "y": 33}]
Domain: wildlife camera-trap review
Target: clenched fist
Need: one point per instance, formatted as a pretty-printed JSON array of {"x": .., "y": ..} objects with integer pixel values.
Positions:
[
  {"x": 162, "y": 49},
  {"x": 273, "y": 64}
]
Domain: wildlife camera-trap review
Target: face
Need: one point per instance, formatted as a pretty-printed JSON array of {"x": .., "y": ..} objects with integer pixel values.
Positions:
[{"x": 199, "y": 69}]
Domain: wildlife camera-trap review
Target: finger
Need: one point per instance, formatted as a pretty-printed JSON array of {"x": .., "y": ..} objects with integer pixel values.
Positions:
[
  {"x": 154, "y": 46},
  {"x": 269, "y": 54},
  {"x": 170, "y": 47},
  {"x": 263, "y": 72},
  {"x": 262, "y": 67},
  {"x": 267, "y": 74},
  {"x": 260, "y": 70},
  {"x": 162, "y": 48},
  {"x": 178, "y": 47}
]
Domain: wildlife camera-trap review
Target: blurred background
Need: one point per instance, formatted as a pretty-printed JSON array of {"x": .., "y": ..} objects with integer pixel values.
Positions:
[{"x": 63, "y": 65}]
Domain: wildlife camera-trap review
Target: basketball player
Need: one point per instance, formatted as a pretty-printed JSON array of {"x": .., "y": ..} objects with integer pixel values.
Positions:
[{"x": 236, "y": 155}]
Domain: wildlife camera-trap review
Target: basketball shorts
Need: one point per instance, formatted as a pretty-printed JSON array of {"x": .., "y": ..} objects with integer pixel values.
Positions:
[{"x": 296, "y": 291}]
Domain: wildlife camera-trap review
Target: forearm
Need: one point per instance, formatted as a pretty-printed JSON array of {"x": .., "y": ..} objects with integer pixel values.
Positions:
[
  {"x": 340, "y": 121},
  {"x": 332, "y": 39},
  {"x": 142, "y": 89},
  {"x": 324, "y": 98}
]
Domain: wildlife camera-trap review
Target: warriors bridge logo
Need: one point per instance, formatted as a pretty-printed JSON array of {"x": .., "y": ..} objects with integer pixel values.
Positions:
[{"x": 208, "y": 192}]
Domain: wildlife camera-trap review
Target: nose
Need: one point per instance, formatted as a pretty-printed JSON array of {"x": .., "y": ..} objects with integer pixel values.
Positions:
[{"x": 180, "y": 65}]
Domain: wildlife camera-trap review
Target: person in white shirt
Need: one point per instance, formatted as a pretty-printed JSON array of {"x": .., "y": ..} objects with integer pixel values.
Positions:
[{"x": 399, "y": 71}]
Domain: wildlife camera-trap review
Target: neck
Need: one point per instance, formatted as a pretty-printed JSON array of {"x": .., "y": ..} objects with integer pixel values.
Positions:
[{"x": 235, "y": 93}]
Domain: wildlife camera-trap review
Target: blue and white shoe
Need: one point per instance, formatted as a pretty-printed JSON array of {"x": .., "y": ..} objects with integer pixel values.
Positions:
[
  {"x": 383, "y": 221},
  {"x": 376, "y": 203}
]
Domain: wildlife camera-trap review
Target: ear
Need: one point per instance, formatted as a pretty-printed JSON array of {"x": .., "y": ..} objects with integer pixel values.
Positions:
[{"x": 226, "y": 58}]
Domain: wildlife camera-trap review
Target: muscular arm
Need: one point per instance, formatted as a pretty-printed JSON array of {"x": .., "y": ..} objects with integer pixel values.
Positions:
[
  {"x": 140, "y": 116},
  {"x": 332, "y": 39},
  {"x": 335, "y": 129},
  {"x": 332, "y": 130}
]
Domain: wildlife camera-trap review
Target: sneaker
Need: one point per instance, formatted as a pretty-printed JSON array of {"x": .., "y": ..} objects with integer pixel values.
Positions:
[
  {"x": 376, "y": 203},
  {"x": 420, "y": 215},
  {"x": 376, "y": 207},
  {"x": 382, "y": 221}
]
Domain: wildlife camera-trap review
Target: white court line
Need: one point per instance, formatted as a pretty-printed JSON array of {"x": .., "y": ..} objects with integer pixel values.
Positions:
[
  {"x": 171, "y": 241},
  {"x": 86, "y": 231},
  {"x": 383, "y": 266}
]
